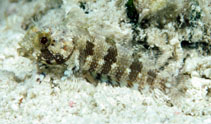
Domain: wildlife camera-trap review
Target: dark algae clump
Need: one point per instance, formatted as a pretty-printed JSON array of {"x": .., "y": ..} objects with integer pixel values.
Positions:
[{"x": 132, "y": 13}]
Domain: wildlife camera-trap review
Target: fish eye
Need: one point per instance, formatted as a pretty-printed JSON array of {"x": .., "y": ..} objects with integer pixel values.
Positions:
[{"x": 44, "y": 40}]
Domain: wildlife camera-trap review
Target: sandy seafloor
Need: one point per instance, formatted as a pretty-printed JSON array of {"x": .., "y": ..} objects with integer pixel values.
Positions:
[{"x": 24, "y": 100}]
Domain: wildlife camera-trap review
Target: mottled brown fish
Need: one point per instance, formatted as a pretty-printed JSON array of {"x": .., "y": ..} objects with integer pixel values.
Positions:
[{"x": 88, "y": 57}]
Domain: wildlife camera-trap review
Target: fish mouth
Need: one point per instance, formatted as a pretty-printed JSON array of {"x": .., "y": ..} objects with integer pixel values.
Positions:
[{"x": 47, "y": 57}]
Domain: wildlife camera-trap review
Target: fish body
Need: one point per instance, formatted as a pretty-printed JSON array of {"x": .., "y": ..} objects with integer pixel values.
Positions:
[{"x": 108, "y": 60}]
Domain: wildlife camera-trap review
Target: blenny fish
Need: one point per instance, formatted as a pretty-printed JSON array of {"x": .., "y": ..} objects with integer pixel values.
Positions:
[{"x": 89, "y": 57}]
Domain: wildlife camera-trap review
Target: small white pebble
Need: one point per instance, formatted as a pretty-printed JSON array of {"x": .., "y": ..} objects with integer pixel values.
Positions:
[
  {"x": 67, "y": 73},
  {"x": 168, "y": 85},
  {"x": 41, "y": 76},
  {"x": 14, "y": 107},
  {"x": 64, "y": 78}
]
